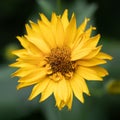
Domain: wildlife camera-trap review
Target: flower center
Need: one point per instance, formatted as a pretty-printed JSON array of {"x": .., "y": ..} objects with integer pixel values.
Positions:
[{"x": 60, "y": 61}]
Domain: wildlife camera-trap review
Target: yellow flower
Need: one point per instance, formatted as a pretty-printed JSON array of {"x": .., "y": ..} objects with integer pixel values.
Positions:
[
  {"x": 113, "y": 86},
  {"x": 57, "y": 57}
]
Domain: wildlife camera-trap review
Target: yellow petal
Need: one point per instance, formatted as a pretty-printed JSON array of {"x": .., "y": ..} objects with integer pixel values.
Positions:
[
  {"x": 102, "y": 55},
  {"x": 20, "y": 53},
  {"x": 54, "y": 19},
  {"x": 23, "y": 71},
  {"x": 82, "y": 27},
  {"x": 34, "y": 28},
  {"x": 37, "y": 74},
  {"x": 38, "y": 88},
  {"x": 77, "y": 88},
  {"x": 20, "y": 64},
  {"x": 70, "y": 32},
  {"x": 92, "y": 42},
  {"x": 22, "y": 85},
  {"x": 88, "y": 32},
  {"x": 81, "y": 40},
  {"x": 89, "y": 73},
  {"x": 59, "y": 33},
  {"x": 47, "y": 35},
  {"x": 39, "y": 42},
  {"x": 61, "y": 101},
  {"x": 84, "y": 85},
  {"x": 33, "y": 45},
  {"x": 64, "y": 19},
  {"x": 69, "y": 102},
  {"x": 61, "y": 91},
  {"x": 44, "y": 19},
  {"x": 28, "y": 29},
  {"x": 80, "y": 35},
  {"x": 78, "y": 54},
  {"x": 91, "y": 62},
  {"x": 60, "y": 104},
  {"x": 48, "y": 91},
  {"x": 34, "y": 60},
  {"x": 77, "y": 44},
  {"x": 100, "y": 71},
  {"x": 81, "y": 83},
  {"x": 86, "y": 50},
  {"x": 93, "y": 53}
]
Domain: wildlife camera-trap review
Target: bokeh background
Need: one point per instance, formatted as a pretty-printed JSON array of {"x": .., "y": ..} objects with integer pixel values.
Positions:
[{"x": 104, "y": 103}]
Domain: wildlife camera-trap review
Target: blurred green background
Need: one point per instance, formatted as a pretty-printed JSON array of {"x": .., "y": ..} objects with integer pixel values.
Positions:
[{"x": 104, "y": 103}]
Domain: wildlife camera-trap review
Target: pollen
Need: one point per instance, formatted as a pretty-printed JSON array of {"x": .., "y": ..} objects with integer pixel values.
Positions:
[{"x": 60, "y": 61}]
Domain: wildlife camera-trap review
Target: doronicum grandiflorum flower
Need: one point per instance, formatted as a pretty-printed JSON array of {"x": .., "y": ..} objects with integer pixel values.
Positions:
[{"x": 57, "y": 57}]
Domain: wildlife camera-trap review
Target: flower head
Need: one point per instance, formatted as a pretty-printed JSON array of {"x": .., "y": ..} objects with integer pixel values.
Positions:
[{"x": 57, "y": 57}]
